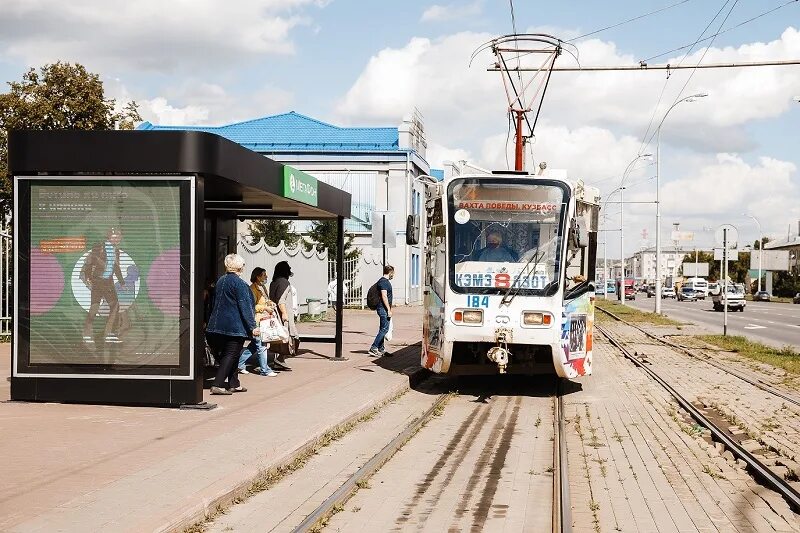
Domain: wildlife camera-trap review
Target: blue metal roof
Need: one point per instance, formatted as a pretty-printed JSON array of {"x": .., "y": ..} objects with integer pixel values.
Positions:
[
  {"x": 438, "y": 173},
  {"x": 295, "y": 132}
]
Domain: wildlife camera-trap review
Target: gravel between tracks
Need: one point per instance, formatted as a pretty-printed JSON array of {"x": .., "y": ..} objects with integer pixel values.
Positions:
[{"x": 636, "y": 464}]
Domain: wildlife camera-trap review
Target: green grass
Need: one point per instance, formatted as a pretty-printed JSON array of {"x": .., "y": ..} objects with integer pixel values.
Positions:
[
  {"x": 785, "y": 358},
  {"x": 630, "y": 314}
]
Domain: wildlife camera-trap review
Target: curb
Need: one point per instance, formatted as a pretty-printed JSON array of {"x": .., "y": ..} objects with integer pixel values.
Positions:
[{"x": 201, "y": 510}]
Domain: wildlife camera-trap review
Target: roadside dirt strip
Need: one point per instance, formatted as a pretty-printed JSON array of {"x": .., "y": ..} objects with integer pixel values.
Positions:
[
  {"x": 485, "y": 465},
  {"x": 638, "y": 463},
  {"x": 765, "y": 423}
]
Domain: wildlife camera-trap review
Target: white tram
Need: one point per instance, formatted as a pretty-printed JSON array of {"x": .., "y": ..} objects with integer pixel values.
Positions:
[{"x": 502, "y": 292}]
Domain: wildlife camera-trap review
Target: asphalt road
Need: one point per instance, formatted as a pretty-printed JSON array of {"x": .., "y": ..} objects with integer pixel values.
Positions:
[{"x": 775, "y": 324}]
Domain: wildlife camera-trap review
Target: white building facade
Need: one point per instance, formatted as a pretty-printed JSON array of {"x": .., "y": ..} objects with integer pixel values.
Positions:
[{"x": 377, "y": 166}]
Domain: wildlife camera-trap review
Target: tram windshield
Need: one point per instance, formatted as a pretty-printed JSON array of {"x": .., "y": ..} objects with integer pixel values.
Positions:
[{"x": 505, "y": 233}]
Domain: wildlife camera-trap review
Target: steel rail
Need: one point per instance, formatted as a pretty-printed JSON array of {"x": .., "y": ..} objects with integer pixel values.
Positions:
[
  {"x": 766, "y": 387},
  {"x": 761, "y": 471},
  {"x": 562, "y": 510},
  {"x": 348, "y": 488}
]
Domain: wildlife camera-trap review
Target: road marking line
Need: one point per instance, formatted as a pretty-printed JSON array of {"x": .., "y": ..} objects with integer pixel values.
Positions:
[{"x": 754, "y": 326}]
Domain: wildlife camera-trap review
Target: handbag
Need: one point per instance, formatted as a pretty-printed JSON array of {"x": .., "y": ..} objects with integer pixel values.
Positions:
[{"x": 272, "y": 331}]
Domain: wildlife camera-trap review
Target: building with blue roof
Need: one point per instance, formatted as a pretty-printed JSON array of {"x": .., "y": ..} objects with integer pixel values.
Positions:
[{"x": 376, "y": 165}]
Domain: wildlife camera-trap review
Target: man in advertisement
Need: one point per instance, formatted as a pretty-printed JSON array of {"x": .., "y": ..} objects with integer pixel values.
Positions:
[{"x": 101, "y": 265}]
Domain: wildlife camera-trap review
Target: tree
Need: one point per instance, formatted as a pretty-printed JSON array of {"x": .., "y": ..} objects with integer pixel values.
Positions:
[
  {"x": 273, "y": 231},
  {"x": 705, "y": 257},
  {"x": 323, "y": 233},
  {"x": 59, "y": 96}
]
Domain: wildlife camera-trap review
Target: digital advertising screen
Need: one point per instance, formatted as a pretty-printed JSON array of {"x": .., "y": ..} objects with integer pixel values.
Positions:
[{"x": 102, "y": 275}]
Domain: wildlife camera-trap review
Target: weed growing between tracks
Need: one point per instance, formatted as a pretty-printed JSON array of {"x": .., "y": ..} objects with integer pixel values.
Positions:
[
  {"x": 786, "y": 358},
  {"x": 266, "y": 479},
  {"x": 626, "y": 312}
]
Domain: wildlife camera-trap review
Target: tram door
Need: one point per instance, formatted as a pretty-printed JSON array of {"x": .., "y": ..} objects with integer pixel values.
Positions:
[{"x": 435, "y": 283}]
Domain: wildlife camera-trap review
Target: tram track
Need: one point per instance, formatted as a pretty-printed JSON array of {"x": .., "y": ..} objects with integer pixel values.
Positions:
[
  {"x": 752, "y": 380},
  {"x": 758, "y": 469},
  {"x": 468, "y": 465}
]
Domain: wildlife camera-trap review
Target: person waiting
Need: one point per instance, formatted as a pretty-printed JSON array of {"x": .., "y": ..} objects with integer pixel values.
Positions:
[
  {"x": 264, "y": 308},
  {"x": 494, "y": 250}
]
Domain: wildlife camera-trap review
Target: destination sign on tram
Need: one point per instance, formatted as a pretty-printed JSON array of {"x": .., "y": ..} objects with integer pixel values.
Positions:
[
  {"x": 501, "y": 280},
  {"x": 500, "y": 205}
]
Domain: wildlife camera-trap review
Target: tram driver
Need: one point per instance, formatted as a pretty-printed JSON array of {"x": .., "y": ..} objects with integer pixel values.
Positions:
[{"x": 494, "y": 250}]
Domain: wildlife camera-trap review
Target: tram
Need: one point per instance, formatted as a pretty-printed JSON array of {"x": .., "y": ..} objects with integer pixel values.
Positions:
[{"x": 509, "y": 270}]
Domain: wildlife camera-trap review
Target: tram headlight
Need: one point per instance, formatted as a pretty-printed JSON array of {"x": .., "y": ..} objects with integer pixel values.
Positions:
[
  {"x": 468, "y": 316},
  {"x": 536, "y": 318}
]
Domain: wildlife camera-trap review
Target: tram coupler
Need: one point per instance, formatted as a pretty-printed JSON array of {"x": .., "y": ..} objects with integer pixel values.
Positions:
[{"x": 499, "y": 354}]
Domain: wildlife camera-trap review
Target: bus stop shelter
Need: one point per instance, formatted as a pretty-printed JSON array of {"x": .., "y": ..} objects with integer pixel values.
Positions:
[{"x": 117, "y": 235}]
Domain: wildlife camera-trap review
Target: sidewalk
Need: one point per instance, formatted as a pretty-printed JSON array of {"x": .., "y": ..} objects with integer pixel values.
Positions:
[{"x": 92, "y": 468}]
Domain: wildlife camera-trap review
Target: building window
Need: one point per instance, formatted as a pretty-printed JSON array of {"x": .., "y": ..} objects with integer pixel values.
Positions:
[{"x": 414, "y": 269}]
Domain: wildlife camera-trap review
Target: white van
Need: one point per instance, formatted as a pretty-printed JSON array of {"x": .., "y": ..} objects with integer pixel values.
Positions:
[{"x": 699, "y": 285}]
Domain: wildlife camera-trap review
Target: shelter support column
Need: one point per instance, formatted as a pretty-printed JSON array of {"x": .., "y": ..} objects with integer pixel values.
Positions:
[{"x": 339, "y": 286}]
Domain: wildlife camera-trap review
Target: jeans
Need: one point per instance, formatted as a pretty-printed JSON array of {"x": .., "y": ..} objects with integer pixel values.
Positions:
[
  {"x": 257, "y": 347},
  {"x": 383, "y": 329},
  {"x": 226, "y": 349}
]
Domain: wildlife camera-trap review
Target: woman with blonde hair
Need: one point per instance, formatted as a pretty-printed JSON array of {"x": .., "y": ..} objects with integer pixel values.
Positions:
[
  {"x": 264, "y": 309},
  {"x": 232, "y": 322}
]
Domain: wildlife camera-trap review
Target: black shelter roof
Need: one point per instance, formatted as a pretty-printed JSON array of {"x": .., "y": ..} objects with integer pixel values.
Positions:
[{"x": 236, "y": 180}]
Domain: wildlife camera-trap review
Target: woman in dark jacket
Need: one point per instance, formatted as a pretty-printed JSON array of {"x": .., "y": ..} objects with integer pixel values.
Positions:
[
  {"x": 280, "y": 292},
  {"x": 232, "y": 322}
]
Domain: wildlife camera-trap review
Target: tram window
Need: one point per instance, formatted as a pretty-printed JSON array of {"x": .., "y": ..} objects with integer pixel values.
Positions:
[{"x": 504, "y": 233}]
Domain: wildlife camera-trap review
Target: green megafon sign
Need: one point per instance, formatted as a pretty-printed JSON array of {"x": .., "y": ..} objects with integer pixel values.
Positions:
[{"x": 299, "y": 186}]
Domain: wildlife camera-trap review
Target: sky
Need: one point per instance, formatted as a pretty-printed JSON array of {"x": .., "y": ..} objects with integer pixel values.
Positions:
[{"x": 732, "y": 153}]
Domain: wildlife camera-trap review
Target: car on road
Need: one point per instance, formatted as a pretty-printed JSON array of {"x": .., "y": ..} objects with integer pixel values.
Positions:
[
  {"x": 761, "y": 296},
  {"x": 796, "y": 298},
  {"x": 667, "y": 292},
  {"x": 630, "y": 293},
  {"x": 735, "y": 299},
  {"x": 687, "y": 294},
  {"x": 651, "y": 290}
]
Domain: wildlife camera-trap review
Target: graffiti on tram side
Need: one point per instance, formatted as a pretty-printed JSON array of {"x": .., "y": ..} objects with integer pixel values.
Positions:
[{"x": 577, "y": 322}]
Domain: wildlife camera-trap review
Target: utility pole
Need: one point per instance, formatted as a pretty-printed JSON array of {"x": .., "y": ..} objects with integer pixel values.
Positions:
[
  {"x": 725, "y": 278},
  {"x": 519, "y": 152}
]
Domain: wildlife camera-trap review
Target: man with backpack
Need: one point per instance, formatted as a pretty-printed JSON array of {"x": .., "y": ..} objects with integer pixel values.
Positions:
[{"x": 379, "y": 298}]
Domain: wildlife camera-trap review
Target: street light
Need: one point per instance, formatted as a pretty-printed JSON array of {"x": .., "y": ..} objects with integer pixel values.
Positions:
[
  {"x": 622, "y": 219},
  {"x": 691, "y": 98},
  {"x": 760, "y": 246}
]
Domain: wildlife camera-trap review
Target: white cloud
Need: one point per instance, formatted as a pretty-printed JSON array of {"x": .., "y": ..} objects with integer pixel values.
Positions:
[
  {"x": 200, "y": 103},
  {"x": 592, "y": 123},
  {"x": 440, "y": 13},
  {"x": 159, "y": 111},
  {"x": 720, "y": 189},
  {"x": 462, "y": 102},
  {"x": 436, "y": 154},
  {"x": 149, "y": 35}
]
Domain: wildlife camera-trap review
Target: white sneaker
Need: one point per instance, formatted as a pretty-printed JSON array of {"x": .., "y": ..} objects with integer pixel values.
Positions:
[
  {"x": 243, "y": 371},
  {"x": 270, "y": 374}
]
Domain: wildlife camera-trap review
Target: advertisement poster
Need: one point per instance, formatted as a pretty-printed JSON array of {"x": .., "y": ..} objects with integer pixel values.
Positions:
[{"x": 105, "y": 273}]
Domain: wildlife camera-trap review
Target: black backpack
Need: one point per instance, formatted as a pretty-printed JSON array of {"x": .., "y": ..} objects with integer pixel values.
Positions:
[{"x": 373, "y": 297}]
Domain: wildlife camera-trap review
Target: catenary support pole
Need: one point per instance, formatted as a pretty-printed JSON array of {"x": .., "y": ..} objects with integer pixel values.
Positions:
[
  {"x": 725, "y": 280},
  {"x": 658, "y": 223},
  {"x": 519, "y": 151},
  {"x": 339, "y": 288}
]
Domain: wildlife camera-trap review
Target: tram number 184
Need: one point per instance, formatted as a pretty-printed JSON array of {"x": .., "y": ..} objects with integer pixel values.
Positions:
[{"x": 477, "y": 301}]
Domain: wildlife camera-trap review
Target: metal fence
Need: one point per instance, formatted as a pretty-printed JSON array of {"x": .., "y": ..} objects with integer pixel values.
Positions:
[
  {"x": 359, "y": 274},
  {"x": 6, "y": 277}
]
